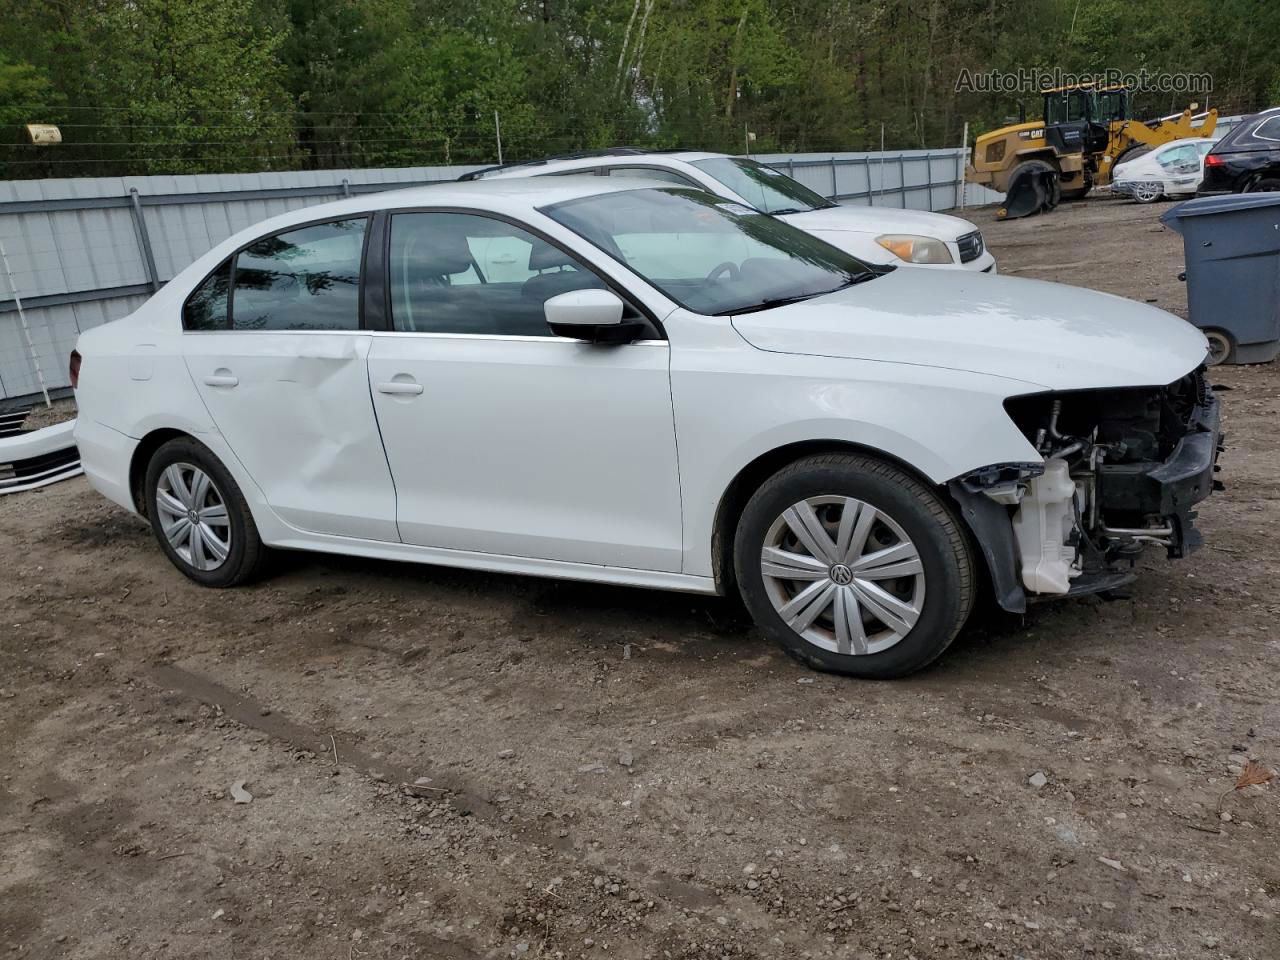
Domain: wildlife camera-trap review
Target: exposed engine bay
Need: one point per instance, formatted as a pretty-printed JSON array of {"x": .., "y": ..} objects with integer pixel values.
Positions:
[{"x": 1122, "y": 470}]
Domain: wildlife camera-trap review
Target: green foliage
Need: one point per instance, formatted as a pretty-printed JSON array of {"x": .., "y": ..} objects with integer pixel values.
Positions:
[
  {"x": 146, "y": 86},
  {"x": 20, "y": 84}
]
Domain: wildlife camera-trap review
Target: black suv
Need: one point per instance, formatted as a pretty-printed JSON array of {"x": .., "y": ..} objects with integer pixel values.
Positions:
[{"x": 1246, "y": 160}]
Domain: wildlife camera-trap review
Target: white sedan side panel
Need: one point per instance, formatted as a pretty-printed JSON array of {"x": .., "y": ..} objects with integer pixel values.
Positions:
[
  {"x": 531, "y": 446},
  {"x": 295, "y": 408}
]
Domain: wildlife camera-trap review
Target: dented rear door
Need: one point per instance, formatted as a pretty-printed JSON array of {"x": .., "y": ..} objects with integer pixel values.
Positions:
[{"x": 296, "y": 411}]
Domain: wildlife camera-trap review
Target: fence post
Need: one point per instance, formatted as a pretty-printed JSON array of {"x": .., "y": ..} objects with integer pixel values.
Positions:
[
  {"x": 964, "y": 154},
  {"x": 902, "y": 179},
  {"x": 497, "y": 133},
  {"x": 346, "y": 187},
  {"x": 835, "y": 186},
  {"x": 144, "y": 239}
]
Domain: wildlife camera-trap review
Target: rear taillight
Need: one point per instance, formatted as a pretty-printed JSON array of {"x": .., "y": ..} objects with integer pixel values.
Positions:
[
  {"x": 75, "y": 369},
  {"x": 1213, "y": 160}
]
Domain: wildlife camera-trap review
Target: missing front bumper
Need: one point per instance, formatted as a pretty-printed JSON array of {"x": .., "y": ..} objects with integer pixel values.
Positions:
[{"x": 1137, "y": 503}]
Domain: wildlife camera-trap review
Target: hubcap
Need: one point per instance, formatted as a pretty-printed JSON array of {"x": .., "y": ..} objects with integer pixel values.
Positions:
[
  {"x": 1147, "y": 191},
  {"x": 843, "y": 575},
  {"x": 193, "y": 516}
]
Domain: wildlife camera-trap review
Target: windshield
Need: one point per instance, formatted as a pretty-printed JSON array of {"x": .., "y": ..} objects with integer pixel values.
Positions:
[
  {"x": 765, "y": 188},
  {"x": 710, "y": 255}
]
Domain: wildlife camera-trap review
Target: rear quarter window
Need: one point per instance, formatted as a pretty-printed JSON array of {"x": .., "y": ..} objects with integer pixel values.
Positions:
[{"x": 206, "y": 308}]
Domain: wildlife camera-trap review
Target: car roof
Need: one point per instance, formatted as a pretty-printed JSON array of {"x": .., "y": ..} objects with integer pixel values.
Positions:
[
  {"x": 516, "y": 197},
  {"x": 604, "y": 158},
  {"x": 521, "y": 192},
  {"x": 513, "y": 195}
]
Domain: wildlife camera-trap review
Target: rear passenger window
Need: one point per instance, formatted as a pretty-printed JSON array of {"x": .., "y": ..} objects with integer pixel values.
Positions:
[
  {"x": 206, "y": 309},
  {"x": 307, "y": 279},
  {"x": 462, "y": 273}
]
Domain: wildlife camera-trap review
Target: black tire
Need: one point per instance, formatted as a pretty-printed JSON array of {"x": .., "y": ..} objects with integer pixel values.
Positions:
[
  {"x": 929, "y": 522},
  {"x": 1265, "y": 185},
  {"x": 1055, "y": 194},
  {"x": 246, "y": 555}
]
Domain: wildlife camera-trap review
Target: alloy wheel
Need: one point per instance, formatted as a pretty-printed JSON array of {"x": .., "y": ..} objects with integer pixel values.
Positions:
[
  {"x": 843, "y": 575},
  {"x": 1147, "y": 192},
  {"x": 193, "y": 516}
]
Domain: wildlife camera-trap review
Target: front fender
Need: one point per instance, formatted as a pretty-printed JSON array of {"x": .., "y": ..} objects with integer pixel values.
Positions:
[{"x": 940, "y": 423}]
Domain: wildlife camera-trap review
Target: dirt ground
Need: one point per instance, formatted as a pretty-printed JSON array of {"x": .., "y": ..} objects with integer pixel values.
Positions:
[{"x": 605, "y": 772}]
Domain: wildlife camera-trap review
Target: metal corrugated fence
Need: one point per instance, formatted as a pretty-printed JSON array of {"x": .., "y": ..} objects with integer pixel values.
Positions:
[{"x": 86, "y": 251}]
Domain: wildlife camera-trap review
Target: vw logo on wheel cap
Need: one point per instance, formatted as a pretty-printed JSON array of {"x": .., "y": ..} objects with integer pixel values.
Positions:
[{"x": 841, "y": 575}]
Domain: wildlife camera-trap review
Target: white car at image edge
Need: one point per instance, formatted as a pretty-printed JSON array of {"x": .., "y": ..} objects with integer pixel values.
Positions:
[
  {"x": 873, "y": 234},
  {"x": 631, "y": 383}
]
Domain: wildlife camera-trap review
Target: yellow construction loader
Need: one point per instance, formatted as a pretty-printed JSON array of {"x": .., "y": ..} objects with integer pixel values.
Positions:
[{"x": 1086, "y": 131}]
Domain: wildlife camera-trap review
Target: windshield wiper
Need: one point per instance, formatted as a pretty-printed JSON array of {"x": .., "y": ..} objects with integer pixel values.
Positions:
[{"x": 771, "y": 302}]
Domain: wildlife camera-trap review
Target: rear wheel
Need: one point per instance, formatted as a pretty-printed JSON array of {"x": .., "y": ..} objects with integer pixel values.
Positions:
[
  {"x": 1147, "y": 191},
  {"x": 200, "y": 517},
  {"x": 854, "y": 566},
  {"x": 1265, "y": 185}
]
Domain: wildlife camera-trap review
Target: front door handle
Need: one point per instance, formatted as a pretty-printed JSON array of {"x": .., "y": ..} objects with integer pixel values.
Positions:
[
  {"x": 221, "y": 380},
  {"x": 400, "y": 388}
]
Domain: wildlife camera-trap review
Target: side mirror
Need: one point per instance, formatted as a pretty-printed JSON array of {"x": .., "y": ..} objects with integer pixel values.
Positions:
[{"x": 591, "y": 315}]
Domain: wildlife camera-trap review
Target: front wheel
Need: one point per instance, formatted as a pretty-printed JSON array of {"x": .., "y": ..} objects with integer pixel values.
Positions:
[
  {"x": 200, "y": 517},
  {"x": 854, "y": 566}
]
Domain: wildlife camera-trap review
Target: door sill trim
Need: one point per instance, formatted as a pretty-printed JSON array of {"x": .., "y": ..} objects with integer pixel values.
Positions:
[{"x": 498, "y": 563}]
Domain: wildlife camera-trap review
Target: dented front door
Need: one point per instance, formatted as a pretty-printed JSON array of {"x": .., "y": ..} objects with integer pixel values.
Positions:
[{"x": 295, "y": 410}]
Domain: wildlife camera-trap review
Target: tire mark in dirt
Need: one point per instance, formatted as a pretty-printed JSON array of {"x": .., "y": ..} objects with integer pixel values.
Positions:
[{"x": 248, "y": 712}]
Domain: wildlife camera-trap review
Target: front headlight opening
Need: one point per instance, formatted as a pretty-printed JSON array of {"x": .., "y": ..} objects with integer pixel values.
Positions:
[{"x": 915, "y": 249}]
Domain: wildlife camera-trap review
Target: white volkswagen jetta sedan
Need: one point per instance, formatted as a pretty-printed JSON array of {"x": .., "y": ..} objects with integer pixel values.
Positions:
[
  {"x": 624, "y": 382},
  {"x": 872, "y": 234}
]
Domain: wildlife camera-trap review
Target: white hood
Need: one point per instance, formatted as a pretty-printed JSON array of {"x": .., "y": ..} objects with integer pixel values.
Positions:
[
  {"x": 879, "y": 220},
  {"x": 1046, "y": 334}
]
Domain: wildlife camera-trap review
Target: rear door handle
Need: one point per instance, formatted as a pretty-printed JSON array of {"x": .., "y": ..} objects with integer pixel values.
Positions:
[
  {"x": 221, "y": 380},
  {"x": 400, "y": 388}
]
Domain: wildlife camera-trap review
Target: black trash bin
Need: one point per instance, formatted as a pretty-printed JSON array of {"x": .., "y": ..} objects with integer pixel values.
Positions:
[{"x": 1232, "y": 246}]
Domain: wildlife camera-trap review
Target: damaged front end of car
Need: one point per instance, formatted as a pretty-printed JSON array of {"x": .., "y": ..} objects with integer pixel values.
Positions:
[{"x": 1122, "y": 469}]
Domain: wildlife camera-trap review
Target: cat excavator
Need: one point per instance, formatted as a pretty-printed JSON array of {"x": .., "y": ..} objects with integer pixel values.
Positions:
[{"x": 1086, "y": 131}]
